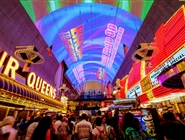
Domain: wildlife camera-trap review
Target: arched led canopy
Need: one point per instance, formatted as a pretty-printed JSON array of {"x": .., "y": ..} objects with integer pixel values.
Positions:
[
  {"x": 92, "y": 71},
  {"x": 89, "y": 38}
]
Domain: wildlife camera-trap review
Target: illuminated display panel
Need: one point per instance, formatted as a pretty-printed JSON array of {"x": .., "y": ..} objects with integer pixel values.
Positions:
[
  {"x": 101, "y": 74},
  {"x": 91, "y": 74},
  {"x": 37, "y": 9},
  {"x": 78, "y": 35},
  {"x": 180, "y": 55}
]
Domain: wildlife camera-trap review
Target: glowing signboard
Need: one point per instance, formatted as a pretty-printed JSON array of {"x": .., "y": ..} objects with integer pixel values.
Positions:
[
  {"x": 33, "y": 81},
  {"x": 10, "y": 66},
  {"x": 136, "y": 89},
  {"x": 169, "y": 62},
  {"x": 111, "y": 44},
  {"x": 93, "y": 38},
  {"x": 73, "y": 42},
  {"x": 146, "y": 83},
  {"x": 79, "y": 73}
]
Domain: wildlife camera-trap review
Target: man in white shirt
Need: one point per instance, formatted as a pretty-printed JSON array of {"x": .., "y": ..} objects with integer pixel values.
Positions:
[{"x": 83, "y": 129}]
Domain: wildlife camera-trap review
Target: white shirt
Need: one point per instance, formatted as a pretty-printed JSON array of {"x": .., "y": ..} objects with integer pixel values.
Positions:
[
  {"x": 57, "y": 124},
  {"x": 13, "y": 132},
  {"x": 83, "y": 129},
  {"x": 73, "y": 123},
  {"x": 30, "y": 130}
]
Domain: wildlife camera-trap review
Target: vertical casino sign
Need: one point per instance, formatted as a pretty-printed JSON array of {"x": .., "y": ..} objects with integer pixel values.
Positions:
[{"x": 73, "y": 42}]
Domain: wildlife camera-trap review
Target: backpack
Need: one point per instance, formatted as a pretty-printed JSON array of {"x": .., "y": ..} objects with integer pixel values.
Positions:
[
  {"x": 4, "y": 136},
  {"x": 129, "y": 136},
  {"x": 108, "y": 131},
  {"x": 102, "y": 135}
]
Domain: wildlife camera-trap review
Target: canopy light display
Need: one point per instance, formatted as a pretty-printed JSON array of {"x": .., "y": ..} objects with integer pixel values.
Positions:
[
  {"x": 101, "y": 74},
  {"x": 111, "y": 45},
  {"x": 89, "y": 38},
  {"x": 79, "y": 73},
  {"x": 73, "y": 42},
  {"x": 37, "y": 9}
]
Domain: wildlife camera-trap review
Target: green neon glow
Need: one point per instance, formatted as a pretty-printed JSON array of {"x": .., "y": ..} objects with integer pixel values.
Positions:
[
  {"x": 146, "y": 7},
  {"x": 51, "y": 6},
  {"x": 125, "y": 5},
  {"x": 88, "y": 1},
  {"x": 57, "y": 4},
  {"x": 29, "y": 9}
]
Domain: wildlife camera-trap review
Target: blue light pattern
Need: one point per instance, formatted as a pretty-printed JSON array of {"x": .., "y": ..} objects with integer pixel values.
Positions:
[{"x": 94, "y": 17}]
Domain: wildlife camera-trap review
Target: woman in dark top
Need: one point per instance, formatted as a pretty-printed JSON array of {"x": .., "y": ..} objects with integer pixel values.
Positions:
[
  {"x": 138, "y": 127},
  {"x": 130, "y": 133},
  {"x": 42, "y": 131}
]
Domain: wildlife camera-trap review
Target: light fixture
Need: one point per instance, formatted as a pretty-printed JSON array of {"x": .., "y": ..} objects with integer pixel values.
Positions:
[
  {"x": 29, "y": 55},
  {"x": 63, "y": 88},
  {"x": 145, "y": 52}
]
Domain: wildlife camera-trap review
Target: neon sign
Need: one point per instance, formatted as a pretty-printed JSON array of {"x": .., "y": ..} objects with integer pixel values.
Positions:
[
  {"x": 10, "y": 66},
  {"x": 101, "y": 74},
  {"x": 172, "y": 60},
  {"x": 39, "y": 84},
  {"x": 111, "y": 44},
  {"x": 73, "y": 42},
  {"x": 33, "y": 81},
  {"x": 79, "y": 73}
]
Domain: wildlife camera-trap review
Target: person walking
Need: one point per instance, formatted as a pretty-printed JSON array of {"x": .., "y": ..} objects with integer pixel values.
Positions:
[
  {"x": 7, "y": 131},
  {"x": 83, "y": 129},
  {"x": 98, "y": 129},
  {"x": 130, "y": 133},
  {"x": 63, "y": 129},
  {"x": 42, "y": 131}
]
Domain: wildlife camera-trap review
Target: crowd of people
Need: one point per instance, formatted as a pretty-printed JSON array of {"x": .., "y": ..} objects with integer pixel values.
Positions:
[{"x": 106, "y": 127}]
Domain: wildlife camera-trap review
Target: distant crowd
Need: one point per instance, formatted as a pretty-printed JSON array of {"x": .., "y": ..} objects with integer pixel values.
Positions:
[{"x": 84, "y": 127}]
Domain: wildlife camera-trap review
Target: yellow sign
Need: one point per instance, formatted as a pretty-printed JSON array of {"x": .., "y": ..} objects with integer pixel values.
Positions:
[
  {"x": 146, "y": 84},
  {"x": 72, "y": 107},
  {"x": 150, "y": 95},
  {"x": 39, "y": 84},
  {"x": 72, "y": 103},
  {"x": 10, "y": 64}
]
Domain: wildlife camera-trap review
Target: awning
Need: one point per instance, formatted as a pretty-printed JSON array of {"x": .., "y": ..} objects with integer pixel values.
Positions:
[{"x": 13, "y": 87}]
